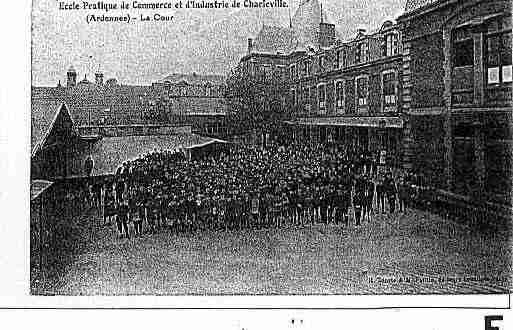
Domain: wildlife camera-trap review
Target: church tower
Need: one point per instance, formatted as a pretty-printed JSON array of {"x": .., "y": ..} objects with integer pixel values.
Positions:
[{"x": 72, "y": 77}]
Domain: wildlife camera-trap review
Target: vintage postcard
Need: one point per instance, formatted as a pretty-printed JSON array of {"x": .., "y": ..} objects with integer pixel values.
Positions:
[{"x": 271, "y": 148}]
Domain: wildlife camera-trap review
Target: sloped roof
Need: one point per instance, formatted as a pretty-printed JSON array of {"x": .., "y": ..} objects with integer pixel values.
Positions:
[
  {"x": 37, "y": 187},
  {"x": 412, "y": 5},
  {"x": 43, "y": 114},
  {"x": 194, "y": 79}
]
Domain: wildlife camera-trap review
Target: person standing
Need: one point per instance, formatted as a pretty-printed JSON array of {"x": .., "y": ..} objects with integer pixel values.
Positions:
[
  {"x": 381, "y": 195},
  {"x": 403, "y": 194},
  {"x": 369, "y": 197},
  {"x": 391, "y": 192},
  {"x": 255, "y": 209},
  {"x": 358, "y": 202},
  {"x": 137, "y": 217},
  {"x": 88, "y": 166},
  {"x": 122, "y": 218}
]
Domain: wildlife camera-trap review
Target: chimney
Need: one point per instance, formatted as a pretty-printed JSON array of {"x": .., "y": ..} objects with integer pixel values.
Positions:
[
  {"x": 72, "y": 77},
  {"x": 98, "y": 78},
  {"x": 250, "y": 45}
]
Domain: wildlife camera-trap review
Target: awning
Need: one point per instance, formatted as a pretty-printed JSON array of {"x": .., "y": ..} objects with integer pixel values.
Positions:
[
  {"x": 37, "y": 187},
  {"x": 379, "y": 122},
  {"x": 207, "y": 143},
  {"x": 111, "y": 152}
]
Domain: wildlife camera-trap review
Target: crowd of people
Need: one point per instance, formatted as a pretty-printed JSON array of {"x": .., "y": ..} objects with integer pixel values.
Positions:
[{"x": 248, "y": 187}]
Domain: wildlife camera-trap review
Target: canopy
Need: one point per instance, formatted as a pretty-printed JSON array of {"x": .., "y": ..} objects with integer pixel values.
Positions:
[
  {"x": 207, "y": 143},
  {"x": 111, "y": 152},
  {"x": 381, "y": 122},
  {"x": 213, "y": 146}
]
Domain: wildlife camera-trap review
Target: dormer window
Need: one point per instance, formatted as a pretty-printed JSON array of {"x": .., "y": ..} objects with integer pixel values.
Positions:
[
  {"x": 341, "y": 59},
  {"x": 390, "y": 44},
  {"x": 361, "y": 52}
]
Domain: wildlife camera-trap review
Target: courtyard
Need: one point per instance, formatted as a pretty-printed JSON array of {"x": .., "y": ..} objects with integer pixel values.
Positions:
[{"x": 411, "y": 253}]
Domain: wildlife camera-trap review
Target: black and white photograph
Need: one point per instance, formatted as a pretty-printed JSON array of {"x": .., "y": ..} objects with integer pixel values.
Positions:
[{"x": 270, "y": 148}]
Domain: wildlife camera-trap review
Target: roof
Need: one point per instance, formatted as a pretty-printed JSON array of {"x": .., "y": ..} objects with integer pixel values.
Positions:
[
  {"x": 413, "y": 5},
  {"x": 302, "y": 35},
  {"x": 111, "y": 152},
  {"x": 194, "y": 79},
  {"x": 43, "y": 115},
  {"x": 37, "y": 187}
]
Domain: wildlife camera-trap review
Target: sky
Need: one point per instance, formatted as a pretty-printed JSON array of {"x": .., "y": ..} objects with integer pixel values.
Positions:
[{"x": 205, "y": 41}]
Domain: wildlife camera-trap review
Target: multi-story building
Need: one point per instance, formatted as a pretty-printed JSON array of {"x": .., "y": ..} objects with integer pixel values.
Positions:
[
  {"x": 457, "y": 80},
  {"x": 433, "y": 90},
  {"x": 345, "y": 91}
]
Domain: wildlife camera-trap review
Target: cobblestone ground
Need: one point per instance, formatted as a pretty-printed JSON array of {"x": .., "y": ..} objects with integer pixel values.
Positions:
[{"x": 411, "y": 253}]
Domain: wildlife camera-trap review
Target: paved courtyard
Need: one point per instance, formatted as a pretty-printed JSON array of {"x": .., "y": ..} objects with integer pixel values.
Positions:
[{"x": 414, "y": 253}]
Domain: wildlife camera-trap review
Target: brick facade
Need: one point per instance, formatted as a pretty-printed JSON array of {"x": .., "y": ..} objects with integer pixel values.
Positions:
[{"x": 449, "y": 86}]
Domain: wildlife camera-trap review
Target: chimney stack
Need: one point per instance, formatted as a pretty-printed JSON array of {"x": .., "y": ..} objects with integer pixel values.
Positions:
[{"x": 72, "y": 77}]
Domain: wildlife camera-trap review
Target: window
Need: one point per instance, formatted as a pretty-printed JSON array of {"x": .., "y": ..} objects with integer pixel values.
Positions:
[
  {"x": 362, "y": 91},
  {"x": 498, "y": 51},
  {"x": 341, "y": 59},
  {"x": 389, "y": 91},
  {"x": 463, "y": 48},
  {"x": 281, "y": 72},
  {"x": 293, "y": 72},
  {"x": 321, "y": 92},
  {"x": 390, "y": 44},
  {"x": 339, "y": 96},
  {"x": 306, "y": 68},
  {"x": 313, "y": 95},
  {"x": 321, "y": 63},
  {"x": 361, "y": 53},
  {"x": 306, "y": 99},
  {"x": 267, "y": 70}
]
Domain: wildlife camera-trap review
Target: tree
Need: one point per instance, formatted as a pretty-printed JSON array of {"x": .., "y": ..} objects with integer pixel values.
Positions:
[{"x": 257, "y": 102}]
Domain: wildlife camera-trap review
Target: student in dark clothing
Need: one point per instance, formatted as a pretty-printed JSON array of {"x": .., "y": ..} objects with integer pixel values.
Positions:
[
  {"x": 122, "y": 219},
  {"x": 358, "y": 201},
  {"x": 391, "y": 192},
  {"x": 369, "y": 198},
  {"x": 381, "y": 196}
]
